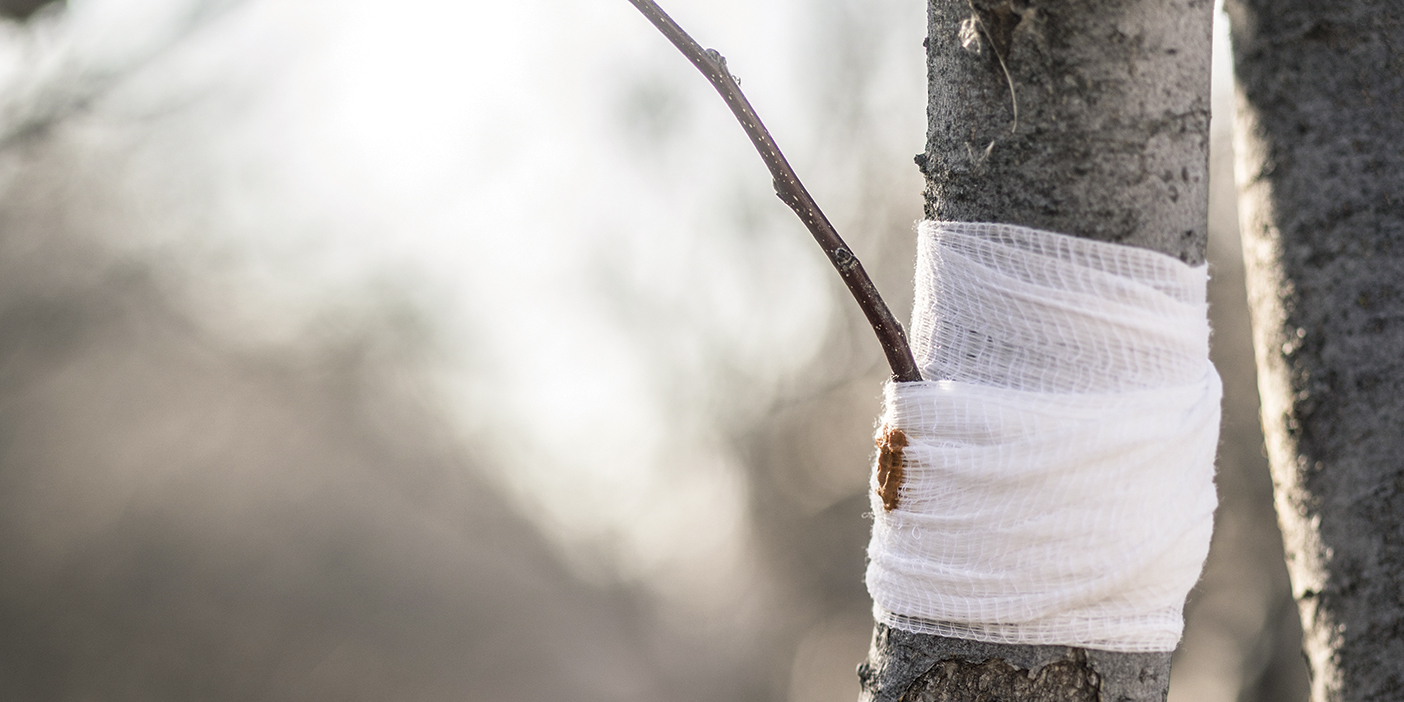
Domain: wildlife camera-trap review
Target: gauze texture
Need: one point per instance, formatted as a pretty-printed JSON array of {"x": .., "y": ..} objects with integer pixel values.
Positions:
[{"x": 1052, "y": 478}]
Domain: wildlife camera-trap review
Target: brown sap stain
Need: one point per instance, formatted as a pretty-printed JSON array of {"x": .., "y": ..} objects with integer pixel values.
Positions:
[{"x": 889, "y": 467}]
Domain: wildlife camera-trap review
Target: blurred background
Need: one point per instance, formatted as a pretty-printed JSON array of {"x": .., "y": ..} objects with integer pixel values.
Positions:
[{"x": 431, "y": 350}]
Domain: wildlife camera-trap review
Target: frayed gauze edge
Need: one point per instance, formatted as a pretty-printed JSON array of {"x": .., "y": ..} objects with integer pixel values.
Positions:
[{"x": 1057, "y": 478}]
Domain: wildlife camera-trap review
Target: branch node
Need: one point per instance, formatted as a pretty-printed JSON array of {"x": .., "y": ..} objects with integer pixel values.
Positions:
[{"x": 844, "y": 259}]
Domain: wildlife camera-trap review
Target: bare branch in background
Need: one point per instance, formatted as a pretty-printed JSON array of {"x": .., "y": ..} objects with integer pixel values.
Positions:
[
  {"x": 21, "y": 9},
  {"x": 61, "y": 83},
  {"x": 793, "y": 193}
]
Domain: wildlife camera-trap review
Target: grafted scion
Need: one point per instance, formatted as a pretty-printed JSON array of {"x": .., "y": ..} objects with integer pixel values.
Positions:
[{"x": 788, "y": 186}]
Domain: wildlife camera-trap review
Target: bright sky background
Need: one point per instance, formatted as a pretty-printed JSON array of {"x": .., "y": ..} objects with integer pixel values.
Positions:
[
  {"x": 544, "y": 201},
  {"x": 610, "y": 286}
]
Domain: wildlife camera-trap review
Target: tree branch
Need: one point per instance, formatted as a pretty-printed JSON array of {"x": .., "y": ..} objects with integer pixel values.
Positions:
[{"x": 790, "y": 190}]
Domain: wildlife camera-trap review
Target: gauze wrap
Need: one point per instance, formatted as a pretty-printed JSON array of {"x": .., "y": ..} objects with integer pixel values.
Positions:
[{"x": 1056, "y": 482}]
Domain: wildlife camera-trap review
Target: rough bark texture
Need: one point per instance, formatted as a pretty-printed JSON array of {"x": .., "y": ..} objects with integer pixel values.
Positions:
[
  {"x": 1111, "y": 142},
  {"x": 1320, "y": 138},
  {"x": 1112, "y": 136},
  {"x": 910, "y": 667}
]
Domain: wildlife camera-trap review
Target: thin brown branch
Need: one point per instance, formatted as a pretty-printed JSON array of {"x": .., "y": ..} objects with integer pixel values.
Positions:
[{"x": 792, "y": 192}]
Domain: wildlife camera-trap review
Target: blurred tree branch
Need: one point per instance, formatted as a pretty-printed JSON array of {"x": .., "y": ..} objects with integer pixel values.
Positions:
[
  {"x": 22, "y": 9},
  {"x": 59, "y": 82}
]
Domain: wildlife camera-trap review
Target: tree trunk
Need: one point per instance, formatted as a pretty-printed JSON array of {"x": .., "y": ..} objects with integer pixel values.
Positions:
[
  {"x": 1320, "y": 133},
  {"x": 1088, "y": 118}
]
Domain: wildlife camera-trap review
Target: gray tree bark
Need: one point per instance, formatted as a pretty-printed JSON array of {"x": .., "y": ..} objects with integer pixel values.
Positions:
[
  {"x": 1089, "y": 118},
  {"x": 1320, "y": 142}
]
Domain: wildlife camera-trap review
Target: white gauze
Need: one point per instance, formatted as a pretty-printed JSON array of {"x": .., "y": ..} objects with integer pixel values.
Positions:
[{"x": 1057, "y": 482}]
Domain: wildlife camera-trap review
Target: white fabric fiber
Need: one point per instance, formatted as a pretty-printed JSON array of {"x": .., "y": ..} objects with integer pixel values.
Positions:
[{"x": 1057, "y": 474}]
